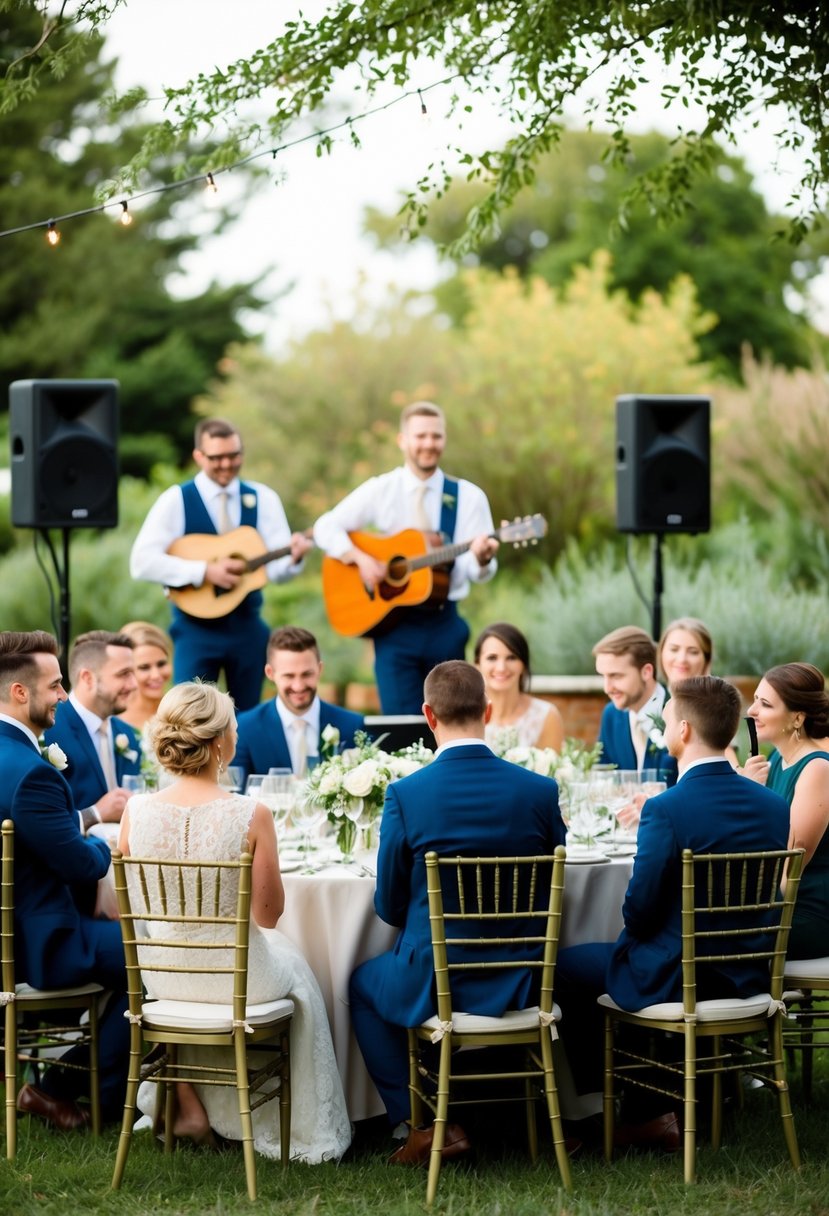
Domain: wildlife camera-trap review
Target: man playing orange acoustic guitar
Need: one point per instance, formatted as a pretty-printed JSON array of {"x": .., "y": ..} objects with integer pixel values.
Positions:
[
  {"x": 216, "y": 501},
  {"x": 412, "y": 640}
]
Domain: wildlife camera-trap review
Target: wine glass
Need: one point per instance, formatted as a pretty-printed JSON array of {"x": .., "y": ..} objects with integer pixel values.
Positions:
[
  {"x": 232, "y": 778},
  {"x": 133, "y": 783},
  {"x": 307, "y": 815},
  {"x": 278, "y": 795},
  {"x": 253, "y": 783}
]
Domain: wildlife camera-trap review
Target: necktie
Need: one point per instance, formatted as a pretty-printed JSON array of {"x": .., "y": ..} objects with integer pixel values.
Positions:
[
  {"x": 639, "y": 734},
  {"x": 300, "y": 747},
  {"x": 421, "y": 518},
  {"x": 106, "y": 757},
  {"x": 225, "y": 524}
]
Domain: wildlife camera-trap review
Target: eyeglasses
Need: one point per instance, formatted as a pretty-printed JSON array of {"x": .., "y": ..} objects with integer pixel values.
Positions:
[{"x": 230, "y": 457}]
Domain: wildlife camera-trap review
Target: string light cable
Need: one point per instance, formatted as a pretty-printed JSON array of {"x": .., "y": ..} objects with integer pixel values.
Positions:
[{"x": 208, "y": 179}]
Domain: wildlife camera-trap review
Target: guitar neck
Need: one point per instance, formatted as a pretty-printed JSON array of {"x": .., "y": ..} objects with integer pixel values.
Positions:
[
  {"x": 445, "y": 553},
  {"x": 254, "y": 563}
]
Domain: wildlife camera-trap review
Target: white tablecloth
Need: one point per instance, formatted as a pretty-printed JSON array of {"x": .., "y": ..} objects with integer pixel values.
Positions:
[{"x": 331, "y": 918}]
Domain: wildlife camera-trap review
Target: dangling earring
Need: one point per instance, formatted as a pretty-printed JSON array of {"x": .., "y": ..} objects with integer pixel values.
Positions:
[
  {"x": 221, "y": 761},
  {"x": 796, "y": 733}
]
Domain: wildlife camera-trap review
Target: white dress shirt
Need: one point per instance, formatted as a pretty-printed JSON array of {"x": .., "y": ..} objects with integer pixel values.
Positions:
[
  {"x": 311, "y": 718},
  {"x": 164, "y": 524},
  {"x": 387, "y": 503},
  {"x": 642, "y": 717}
]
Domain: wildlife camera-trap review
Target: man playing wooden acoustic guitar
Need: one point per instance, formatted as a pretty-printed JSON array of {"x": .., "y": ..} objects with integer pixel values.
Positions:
[
  {"x": 212, "y": 504},
  {"x": 410, "y": 640}
]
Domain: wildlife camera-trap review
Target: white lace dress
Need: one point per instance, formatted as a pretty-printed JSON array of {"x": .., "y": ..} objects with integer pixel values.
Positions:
[
  {"x": 523, "y": 732},
  {"x": 320, "y": 1128}
]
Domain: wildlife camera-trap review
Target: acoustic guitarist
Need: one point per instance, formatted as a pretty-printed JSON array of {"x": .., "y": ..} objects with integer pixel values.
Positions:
[
  {"x": 216, "y": 501},
  {"x": 412, "y": 640}
]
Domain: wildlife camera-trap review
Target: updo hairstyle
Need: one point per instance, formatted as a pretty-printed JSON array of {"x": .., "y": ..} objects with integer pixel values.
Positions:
[
  {"x": 189, "y": 718},
  {"x": 802, "y": 689}
]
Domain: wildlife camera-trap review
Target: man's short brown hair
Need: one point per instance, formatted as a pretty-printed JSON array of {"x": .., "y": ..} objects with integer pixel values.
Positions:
[
  {"x": 292, "y": 637},
  {"x": 428, "y": 408},
  {"x": 712, "y": 706},
  {"x": 214, "y": 428},
  {"x": 89, "y": 650},
  {"x": 456, "y": 693},
  {"x": 629, "y": 639},
  {"x": 17, "y": 656}
]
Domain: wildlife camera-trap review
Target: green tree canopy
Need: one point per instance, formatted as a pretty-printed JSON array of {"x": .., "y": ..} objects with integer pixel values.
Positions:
[
  {"x": 733, "y": 58},
  {"x": 723, "y": 241},
  {"x": 97, "y": 305}
]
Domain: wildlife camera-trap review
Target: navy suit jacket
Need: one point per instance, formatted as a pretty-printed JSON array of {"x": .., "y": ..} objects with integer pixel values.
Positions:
[
  {"x": 262, "y": 744},
  {"x": 83, "y": 772},
  {"x": 618, "y": 749},
  {"x": 712, "y": 809},
  {"x": 467, "y": 801},
  {"x": 56, "y": 868}
]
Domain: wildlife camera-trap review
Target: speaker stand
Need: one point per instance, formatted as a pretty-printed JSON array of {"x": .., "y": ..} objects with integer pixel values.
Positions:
[
  {"x": 62, "y": 625},
  {"x": 658, "y": 588}
]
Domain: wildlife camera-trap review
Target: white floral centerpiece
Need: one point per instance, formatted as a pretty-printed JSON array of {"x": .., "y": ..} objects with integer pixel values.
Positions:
[
  {"x": 351, "y": 785},
  {"x": 571, "y": 763}
]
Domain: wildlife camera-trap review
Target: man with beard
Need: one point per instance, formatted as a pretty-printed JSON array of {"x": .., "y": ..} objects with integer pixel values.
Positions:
[
  {"x": 100, "y": 749},
  {"x": 630, "y": 733},
  {"x": 295, "y": 725},
  {"x": 58, "y": 943}
]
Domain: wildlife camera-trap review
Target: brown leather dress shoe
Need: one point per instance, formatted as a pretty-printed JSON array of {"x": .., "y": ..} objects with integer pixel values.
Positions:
[
  {"x": 418, "y": 1145},
  {"x": 663, "y": 1132},
  {"x": 60, "y": 1112}
]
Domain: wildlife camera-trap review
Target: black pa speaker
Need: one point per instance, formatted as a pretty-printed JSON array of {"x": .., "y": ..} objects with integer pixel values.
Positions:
[
  {"x": 64, "y": 453},
  {"x": 663, "y": 464}
]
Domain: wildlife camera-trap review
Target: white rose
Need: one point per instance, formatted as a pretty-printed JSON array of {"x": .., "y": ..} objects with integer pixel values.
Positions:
[
  {"x": 566, "y": 771},
  {"x": 402, "y": 766},
  {"x": 122, "y": 742},
  {"x": 329, "y": 783},
  {"x": 56, "y": 756},
  {"x": 249, "y": 500},
  {"x": 330, "y": 735},
  {"x": 518, "y": 755},
  {"x": 362, "y": 779}
]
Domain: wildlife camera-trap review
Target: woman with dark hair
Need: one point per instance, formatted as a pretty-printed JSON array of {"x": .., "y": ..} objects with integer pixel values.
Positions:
[
  {"x": 791, "y": 712},
  {"x": 502, "y": 655}
]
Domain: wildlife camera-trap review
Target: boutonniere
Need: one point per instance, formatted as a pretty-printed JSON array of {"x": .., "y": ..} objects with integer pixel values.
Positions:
[
  {"x": 330, "y": 740},
  {"x": 248, "y": 500},
  {"x": 54, "y": 754},
  {"x": 448, "y": 500},
  {"x": 656, "y": 735},
  {"x": 122, "y": 746}
]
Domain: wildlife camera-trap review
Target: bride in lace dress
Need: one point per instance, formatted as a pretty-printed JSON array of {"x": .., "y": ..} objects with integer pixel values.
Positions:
[
  {"x": 194, "y": 737},
  {"x": 502, "y": 655}
]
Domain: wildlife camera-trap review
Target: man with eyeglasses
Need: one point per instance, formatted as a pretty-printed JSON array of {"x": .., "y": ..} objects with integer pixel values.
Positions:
[{"x": 217, "y": 501}]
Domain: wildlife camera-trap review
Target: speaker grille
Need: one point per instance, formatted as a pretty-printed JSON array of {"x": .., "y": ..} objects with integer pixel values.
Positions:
[{"x": 78, "y": 479}]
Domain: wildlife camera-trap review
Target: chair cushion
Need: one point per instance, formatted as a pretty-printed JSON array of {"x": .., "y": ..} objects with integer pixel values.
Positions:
[
  {"x": 478, "y": 1023},
  {"x": 27, "y": 993},
  {"x": 801, "y": 969},
  {"x": 198, "y": 1015},
  {"x": 721, "y": 1010}
]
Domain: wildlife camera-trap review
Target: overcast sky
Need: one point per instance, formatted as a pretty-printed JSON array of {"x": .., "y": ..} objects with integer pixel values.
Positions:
[{"x": 305, "y": 223}]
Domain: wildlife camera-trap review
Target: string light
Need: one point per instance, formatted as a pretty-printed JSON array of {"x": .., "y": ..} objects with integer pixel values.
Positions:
[{"x": 53, "y": 236}]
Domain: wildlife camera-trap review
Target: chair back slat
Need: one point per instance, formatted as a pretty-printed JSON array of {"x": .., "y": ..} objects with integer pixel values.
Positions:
[
  {"x": 7, "y": 908},
  {"x": 504, "y": 910}
]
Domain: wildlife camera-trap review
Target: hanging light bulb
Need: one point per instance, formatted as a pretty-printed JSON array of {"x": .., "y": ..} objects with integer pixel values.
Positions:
[
  {"x": 125, "y": 217},
  {"x": 211, "y": 184},
  {"x": 52, "y": 234},
  {"x": 422, "y": 102}
]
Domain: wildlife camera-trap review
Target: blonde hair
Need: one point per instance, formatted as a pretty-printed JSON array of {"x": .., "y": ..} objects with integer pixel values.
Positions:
[
  {"x": 143, "y": 633},
  {"x": 190, "y": 717}
]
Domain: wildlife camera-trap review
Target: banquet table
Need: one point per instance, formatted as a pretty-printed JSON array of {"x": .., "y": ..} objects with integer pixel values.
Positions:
[{"x": 330, "y": 916}]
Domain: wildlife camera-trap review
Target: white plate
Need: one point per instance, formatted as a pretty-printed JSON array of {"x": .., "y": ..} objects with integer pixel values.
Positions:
[
  {"x": 621, "y": 848},
  {"x": 288, "y": 867},
  {"x": 586, "y": 857}
]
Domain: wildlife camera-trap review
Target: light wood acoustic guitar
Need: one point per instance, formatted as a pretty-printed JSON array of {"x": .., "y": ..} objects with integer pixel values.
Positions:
[
  {"x": 245, "y": 543},
  {"x": 411, "y": 577}
]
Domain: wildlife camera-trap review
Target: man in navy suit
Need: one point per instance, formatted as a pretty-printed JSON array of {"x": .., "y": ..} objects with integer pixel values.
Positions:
[
  {"x": 58, "y": 943},
  {"x": 101, "y": 749},
  {"x": 466, "y": 801},
  {"x": 295, "y": 726},
  {"x": 711, "y": 809},
  {"x": 630, "y": 738}
]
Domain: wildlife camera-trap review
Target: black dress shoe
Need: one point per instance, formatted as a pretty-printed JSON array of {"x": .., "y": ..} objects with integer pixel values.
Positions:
[
  {"x": 663, "y": 1132},
  {"x": 418, "y": 1145},
  {"x": 60, "y": 1112}
]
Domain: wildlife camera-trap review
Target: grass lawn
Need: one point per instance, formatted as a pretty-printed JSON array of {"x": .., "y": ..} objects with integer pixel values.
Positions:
[{"x": 57, "y": 1173}]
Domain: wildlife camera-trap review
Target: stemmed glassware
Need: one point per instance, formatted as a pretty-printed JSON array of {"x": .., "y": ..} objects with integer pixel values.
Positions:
[
  {"x": 279, "y": 795},
  {"x": 307, "y": 815}
]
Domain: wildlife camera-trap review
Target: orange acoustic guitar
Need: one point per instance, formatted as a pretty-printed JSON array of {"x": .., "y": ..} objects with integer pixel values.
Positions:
[
  {"x": 245, "y": 543},
  {"x": 354, "y": 609}
]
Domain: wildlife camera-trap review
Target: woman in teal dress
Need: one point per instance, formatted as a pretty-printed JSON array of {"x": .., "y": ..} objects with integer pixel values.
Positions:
[{"x": 791, "y": 711}]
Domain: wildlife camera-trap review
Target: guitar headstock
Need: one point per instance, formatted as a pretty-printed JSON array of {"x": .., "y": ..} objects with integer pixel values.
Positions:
[{"x": 526, "y": 531}]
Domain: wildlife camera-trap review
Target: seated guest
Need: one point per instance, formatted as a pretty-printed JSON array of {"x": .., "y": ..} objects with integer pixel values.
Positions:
[
  {"x": 629, "y": 733},
  {"x": 465, "y": 801},
  {"x": 502, "y": 655},
  {"x": 711, "y": 809},
  {"x": 289, "y": 730},
  {"x": 791, "y": 711},
  {"x": 58, "y": 943},
  {"x": 193, "y": 736},
  {"x": 685, "y": 649},
  {"x": 100, "y": 748},
  {"x": 153, "y": 655}
]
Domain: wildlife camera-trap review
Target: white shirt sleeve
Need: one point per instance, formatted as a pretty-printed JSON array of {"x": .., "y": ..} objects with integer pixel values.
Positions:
[
  {"x": 272, "y": 526},
  {"x": 359, "y": 509}
]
